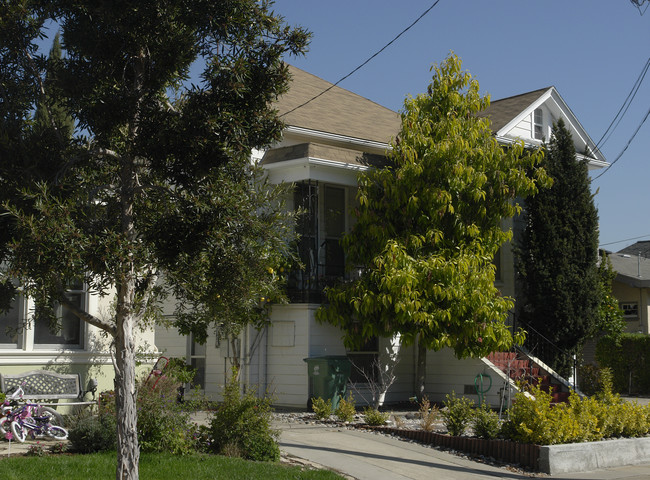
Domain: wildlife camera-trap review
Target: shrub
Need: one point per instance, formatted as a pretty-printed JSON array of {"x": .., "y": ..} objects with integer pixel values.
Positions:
[
  {"x": 345, "y": 411},
  {"x": 486, "y": 422},
  {"x": 36, "y": 450},
  {"x": 457, "y": 414},
  {"x": 628, "y": 361},
  {"x": 321, "y": 408},
  {"x": 241, "y": 425},
  {"x": 163, "y": 423},
  {"x": 93, "y": 434},
  {"x": 375, "y": 417},
  {"x": 428, "y": 415}
]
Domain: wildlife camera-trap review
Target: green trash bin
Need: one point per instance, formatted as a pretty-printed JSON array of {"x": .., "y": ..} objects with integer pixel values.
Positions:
[{"x": 328, "y": 378}]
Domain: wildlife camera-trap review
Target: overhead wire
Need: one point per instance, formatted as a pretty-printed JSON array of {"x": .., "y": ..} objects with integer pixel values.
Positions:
[
  {"x": 625, "y": 240},
  {"x": 364, "y": 63},
  {"x": 625, "y": 106}
]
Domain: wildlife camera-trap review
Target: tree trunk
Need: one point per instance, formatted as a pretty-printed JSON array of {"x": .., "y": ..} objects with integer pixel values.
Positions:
[
  {"x": 421, "y": 371},
  {"x": 128, "y": 450}
]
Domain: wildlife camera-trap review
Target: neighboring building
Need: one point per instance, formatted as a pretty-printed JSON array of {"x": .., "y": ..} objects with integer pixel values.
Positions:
[
  {"x": 328, "y": 141},
  {"x": 631, "y": 287}
]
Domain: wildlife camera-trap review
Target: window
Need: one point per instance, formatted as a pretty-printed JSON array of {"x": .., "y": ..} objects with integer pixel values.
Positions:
[
  {"x": 11, "y": 324},
  {"x": 630, "y": 309},
  {"x": 20, "y": 329},
  {"x": 334, "y": 203},
  {"x": 69, "y": 331},
  {"x": 538, "y": 124},
  {"x": 197, "y": 361},
  {"x": 365, "y": 362}
]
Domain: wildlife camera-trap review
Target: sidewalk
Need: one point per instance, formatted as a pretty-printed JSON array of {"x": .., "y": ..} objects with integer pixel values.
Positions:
[{"x": 363, "y": 455}]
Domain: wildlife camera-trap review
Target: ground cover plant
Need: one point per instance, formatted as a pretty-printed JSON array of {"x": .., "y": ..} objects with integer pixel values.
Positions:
[{"x": 160, "y": 466}]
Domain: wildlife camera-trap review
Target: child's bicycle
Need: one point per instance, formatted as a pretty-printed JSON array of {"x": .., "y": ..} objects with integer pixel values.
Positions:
[
  {"x": 11, "y": 409},
  {"x": 28, "y": 420}
]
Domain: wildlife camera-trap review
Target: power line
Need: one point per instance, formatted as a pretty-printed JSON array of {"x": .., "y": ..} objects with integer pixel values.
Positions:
[
  {"x": 364, "y": 63},
  {"x": 625, "y": 106},
  {"x": 626, "y": 146},
  {"x": 626, "y": 240}
]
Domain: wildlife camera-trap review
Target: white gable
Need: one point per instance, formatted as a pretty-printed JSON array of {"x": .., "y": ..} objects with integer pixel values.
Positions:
[{"x": 534, "y": 128}]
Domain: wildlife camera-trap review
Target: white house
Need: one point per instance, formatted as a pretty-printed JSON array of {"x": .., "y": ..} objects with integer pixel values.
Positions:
[{"x": 328, "y": 141}]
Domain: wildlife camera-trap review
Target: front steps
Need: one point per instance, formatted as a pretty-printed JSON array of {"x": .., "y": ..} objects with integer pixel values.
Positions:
[{"x": 521, "y": 368}]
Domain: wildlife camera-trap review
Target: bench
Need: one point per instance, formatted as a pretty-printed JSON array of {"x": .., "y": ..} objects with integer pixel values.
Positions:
[{"x": 46, "y": 385}]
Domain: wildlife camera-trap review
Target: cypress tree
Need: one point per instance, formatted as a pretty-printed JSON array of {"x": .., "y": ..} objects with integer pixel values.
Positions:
[{"x": 558, "y": 255}]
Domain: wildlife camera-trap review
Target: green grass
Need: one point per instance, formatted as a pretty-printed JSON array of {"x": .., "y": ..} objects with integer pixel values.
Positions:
[{"x": 153, "y": 466}]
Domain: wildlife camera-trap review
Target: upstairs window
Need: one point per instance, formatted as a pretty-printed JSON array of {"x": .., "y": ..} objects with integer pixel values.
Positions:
[{"x": 538, "y": 124}]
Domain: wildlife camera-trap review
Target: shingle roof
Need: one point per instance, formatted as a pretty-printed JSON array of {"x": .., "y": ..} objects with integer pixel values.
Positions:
[
  {"x": 338, "y": 111},
  {"x": 502, "y": 111},
  {"x": 639, "y": 248},
  {"x": 631, "y": 269}
]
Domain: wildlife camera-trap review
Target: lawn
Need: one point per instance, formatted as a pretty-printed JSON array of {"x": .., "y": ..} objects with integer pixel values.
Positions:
[{"x": 153, "y": 466}]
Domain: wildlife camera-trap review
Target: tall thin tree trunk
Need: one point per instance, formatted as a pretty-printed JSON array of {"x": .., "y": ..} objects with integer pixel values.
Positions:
[
  {"x": 128, "y": 450},
  {"x": 421, "y": 371}
]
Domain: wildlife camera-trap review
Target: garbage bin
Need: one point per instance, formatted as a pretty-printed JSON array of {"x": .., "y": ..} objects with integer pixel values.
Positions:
[{"x": 328, "y": 378}]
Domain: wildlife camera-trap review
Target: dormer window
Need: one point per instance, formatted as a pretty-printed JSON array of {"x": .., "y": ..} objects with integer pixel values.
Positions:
[{"x": 538, "y": 124}]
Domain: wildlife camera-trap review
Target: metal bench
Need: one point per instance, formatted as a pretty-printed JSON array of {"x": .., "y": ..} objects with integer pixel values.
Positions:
[{"x": 46, "y": 385}]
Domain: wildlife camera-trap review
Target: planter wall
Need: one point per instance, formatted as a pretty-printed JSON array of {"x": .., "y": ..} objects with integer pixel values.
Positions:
[{"x": 526, "y": 455}]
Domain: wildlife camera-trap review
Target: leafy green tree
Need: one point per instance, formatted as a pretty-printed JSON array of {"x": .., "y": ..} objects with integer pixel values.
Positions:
[
  {"x": 609, "y": 318},
  {"x": 153, "y": 195},
  {"x": 559, "y": 253},
  {"x": 429, "y": 225}
]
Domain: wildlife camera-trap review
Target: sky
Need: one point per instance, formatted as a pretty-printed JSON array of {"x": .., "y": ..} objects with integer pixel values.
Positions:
[{"x": 592, "y": 51}]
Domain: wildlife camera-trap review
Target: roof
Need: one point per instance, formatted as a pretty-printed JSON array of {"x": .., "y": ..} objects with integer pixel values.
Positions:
[
  {"x": 338, "y": 111},
  {"x": 631, "y": 270},
  {"x": 503, "y": 111},
  {"x": 639, "y": 248},
  {"x": 317, "y": 150}
]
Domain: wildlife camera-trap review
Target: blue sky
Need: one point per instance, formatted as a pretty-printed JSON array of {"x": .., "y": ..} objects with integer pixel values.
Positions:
[{"x": 592, "y": 51}]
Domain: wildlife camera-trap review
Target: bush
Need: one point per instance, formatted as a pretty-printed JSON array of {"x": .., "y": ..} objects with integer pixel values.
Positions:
[
  {"x": 486, "y": 422},
  {"x": 241, "y": 425},
  {"x": 457, "y": 414},
  {"x": 374, "y": 417},
  {"x": 628, "y": 361},
  {"x": 345, "y": 411},
  {"x": 93, "y": 434},
  {"x": 321, "y": 408}
]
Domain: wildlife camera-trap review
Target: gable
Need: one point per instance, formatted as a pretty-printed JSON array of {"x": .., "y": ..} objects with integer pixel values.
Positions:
[{"x": 529, "y": 117}]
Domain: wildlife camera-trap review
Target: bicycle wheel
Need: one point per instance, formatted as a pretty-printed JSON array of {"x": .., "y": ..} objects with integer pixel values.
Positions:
[
  {"x": 4, "y": 429},
  {"x": 55, "y": 417},
  {"x": 58, "y": 433},
  {"x": 20, "y": 432}
]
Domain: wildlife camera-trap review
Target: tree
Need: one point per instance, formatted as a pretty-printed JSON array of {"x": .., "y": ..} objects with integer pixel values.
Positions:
[
  {"x": 609, "y": 319},
  {"x": 429, "y": 225},
  {"x": 559, "y": 253},
  {"x": 153, "y": 195}
]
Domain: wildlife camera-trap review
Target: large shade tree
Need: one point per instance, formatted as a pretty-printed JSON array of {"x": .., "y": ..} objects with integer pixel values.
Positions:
[
  {"x": 155, "y": 181},
  {"x": 429, "y": 225},
  {"x": 558, "y": 256}
]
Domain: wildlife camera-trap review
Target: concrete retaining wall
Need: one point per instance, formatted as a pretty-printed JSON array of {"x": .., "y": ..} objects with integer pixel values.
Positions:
[{"x": 583, "y": 457}]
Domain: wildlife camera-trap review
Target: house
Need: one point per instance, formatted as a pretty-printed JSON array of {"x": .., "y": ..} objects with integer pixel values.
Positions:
[
  {"x": 631, "y": 287},
  {"x": 330, "y": 139}
]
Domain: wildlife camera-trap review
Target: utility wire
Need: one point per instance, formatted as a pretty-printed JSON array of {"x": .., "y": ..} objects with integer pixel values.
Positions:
[
  {"x": 626, "y": 240},
  {"x": 626, "y": 146},
  {"x": 625, "y": 106},
  {"x": 364, "y": 63}
]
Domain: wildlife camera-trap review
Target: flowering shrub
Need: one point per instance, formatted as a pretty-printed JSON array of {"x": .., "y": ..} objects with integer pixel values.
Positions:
[{"x": 36, "y": 450}]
